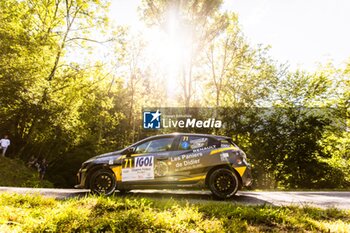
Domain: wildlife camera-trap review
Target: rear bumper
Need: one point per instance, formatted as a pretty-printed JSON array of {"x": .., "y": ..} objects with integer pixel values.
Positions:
[{"x": 247, "y": 179}]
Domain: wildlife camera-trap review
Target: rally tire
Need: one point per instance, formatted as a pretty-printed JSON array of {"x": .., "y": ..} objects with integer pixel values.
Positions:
[
  {"x": 103, "y": 182},
  {"x": 223, "y": 183}
]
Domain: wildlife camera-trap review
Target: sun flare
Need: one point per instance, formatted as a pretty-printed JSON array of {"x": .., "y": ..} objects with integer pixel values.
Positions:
[{"x": 170, "y": 47}]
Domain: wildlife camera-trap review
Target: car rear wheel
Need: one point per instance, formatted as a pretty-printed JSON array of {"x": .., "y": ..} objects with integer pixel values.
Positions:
[
  {"x": 223, "y": 183},
  {"x": 103, "y": 182}
]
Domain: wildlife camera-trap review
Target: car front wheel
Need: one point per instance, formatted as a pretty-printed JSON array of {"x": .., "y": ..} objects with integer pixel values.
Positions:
[
  {"x": 223, "y": 183},
  {"x": 103, "y": 182}
]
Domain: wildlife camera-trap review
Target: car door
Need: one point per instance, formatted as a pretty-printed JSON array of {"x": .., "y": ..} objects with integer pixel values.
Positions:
[
  {"x": 147, "y": 165},
  {"x": 190, "y": 158}
]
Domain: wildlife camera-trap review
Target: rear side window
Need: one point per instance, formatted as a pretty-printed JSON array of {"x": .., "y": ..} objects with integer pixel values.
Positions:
[
  {"x": 195, "y": 142},
  {"x": 226, "y": 143}
]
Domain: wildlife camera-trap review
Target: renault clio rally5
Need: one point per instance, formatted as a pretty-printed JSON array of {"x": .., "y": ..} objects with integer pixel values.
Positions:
[{"x": 170, "y": 161}]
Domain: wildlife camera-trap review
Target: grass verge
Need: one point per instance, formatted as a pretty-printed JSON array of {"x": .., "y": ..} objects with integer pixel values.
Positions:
[{"x": 34, "y": 213}]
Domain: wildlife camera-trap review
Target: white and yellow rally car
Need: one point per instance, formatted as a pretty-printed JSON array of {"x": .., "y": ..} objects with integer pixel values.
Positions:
[{"x": 171, "y": 161}]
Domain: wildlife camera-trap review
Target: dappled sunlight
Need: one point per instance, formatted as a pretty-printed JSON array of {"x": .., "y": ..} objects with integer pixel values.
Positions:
[
  {"x": 138, "y": 214},
  {"x": 170, "y": 48}
]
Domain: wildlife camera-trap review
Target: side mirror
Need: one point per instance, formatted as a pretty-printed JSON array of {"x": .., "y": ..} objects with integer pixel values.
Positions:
[{"x": 130, "y": 151}]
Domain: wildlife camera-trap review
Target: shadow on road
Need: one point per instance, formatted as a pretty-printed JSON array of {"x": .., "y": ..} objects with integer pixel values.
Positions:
[
  {"x": 193, "y": 197},
  {"x": 187, "y": 195}
]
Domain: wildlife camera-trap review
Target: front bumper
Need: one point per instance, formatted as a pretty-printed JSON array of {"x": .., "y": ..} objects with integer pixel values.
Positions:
[{"x": 81, "y": 179}]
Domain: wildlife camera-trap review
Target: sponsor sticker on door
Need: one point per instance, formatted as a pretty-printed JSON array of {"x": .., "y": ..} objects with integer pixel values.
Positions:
[{"x": 138, "y": 168}]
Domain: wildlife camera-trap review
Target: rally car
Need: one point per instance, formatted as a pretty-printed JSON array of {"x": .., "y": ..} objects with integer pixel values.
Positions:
[{"x": 179, "y": 160}]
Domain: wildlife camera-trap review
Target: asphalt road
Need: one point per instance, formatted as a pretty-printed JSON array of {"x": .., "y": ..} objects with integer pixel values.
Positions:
[{"x": 335, "y": 199}]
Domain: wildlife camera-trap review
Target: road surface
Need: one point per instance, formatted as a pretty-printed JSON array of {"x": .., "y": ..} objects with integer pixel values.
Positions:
[{"x": 337, "y": 199}]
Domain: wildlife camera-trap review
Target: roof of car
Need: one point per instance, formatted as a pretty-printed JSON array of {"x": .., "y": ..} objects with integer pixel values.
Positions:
[{"x": 195, "y": 134}]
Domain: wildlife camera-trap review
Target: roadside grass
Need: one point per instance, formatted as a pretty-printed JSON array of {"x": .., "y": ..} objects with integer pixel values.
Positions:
[{"x": 35, "y": 213}]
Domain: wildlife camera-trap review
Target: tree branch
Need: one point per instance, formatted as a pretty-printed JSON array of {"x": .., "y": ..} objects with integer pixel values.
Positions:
[{"x": 88, "y": 39}]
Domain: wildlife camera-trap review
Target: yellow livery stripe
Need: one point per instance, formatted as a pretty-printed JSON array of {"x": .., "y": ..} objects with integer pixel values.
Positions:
[
  {"x": 222, "y": 150},
  {"x": 118, "y": 173},
  {"x": 240, "y": 170},
  {"x": 193, "y": 178},
  {"x": 134, "y": 155}
]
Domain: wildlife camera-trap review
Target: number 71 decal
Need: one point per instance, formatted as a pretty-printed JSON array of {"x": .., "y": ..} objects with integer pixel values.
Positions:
[{"x": 144, "y": 161}]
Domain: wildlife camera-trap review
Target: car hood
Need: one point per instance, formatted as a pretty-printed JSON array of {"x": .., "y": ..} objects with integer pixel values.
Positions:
[
  {"x": 109, "y": 154},
  {"x": 105, "y": 156}
]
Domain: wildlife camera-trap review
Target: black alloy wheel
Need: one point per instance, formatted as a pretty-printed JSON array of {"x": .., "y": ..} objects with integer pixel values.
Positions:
[
  {"x": 223, "y": 183},
  {"x": 103, "y": 182}
]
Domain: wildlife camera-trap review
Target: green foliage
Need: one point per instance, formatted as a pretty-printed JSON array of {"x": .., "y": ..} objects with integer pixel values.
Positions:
[
  {"x": 237, "y": 74},
  {"x": 30, "y": 213},
  {"x": 337, "y": 146},
  {"x": 300, "y": 142}
]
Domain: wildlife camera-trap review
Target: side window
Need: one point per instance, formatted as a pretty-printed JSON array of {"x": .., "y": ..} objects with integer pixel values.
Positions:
[
  {"x": 192, "y": 142},
  {"x": 225, "y": 143},
  {"x": 157, "y": 145},
  {"x": 142, "y": 148}
]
